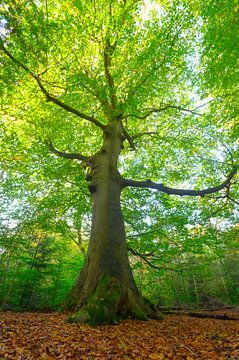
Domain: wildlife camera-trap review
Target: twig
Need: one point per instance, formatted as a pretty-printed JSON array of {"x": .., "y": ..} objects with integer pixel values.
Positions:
[{"x": 186, "y": 347}]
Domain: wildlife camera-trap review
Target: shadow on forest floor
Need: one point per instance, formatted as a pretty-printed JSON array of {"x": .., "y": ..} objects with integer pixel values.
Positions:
[{"x": 26, "y": 336}]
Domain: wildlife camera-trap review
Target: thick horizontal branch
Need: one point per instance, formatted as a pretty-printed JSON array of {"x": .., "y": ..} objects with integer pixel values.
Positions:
[
  {"x": 72, "y": 156},
  {"x": 48, "y": 96},
  {"x": 182, "y": 192}
]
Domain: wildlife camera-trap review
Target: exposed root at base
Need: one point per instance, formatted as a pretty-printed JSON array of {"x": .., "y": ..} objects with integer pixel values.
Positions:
[{"x": 105, "y": 306}]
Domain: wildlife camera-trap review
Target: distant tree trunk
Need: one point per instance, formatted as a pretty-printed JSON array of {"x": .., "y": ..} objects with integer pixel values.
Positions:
[
  {"x": 28, "y": 288},
  {"x": 105, "y": 290}
]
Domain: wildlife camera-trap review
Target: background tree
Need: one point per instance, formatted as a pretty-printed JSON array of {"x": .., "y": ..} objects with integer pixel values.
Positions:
[{"x": 115, "y": 87}]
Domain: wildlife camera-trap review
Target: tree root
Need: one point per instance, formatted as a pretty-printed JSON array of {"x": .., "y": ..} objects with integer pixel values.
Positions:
[{"x": 109, "y": 304}]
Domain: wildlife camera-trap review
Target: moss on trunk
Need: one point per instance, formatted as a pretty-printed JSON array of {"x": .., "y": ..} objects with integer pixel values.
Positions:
[
  {"x": 110, "y": 303},
  {"x": 105, "y": 290},
  {"x": 101, "y": 307}
]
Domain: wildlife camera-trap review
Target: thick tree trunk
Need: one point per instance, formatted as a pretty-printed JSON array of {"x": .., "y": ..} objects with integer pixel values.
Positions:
[{"x": 105, "y": 290}]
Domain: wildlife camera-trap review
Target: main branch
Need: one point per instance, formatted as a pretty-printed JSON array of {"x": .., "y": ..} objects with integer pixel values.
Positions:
[
  {"x": 48, "y": 96},
  {"x": 72, "y": 156},
  {"x": 181, "y": 192},
  {"x": 108, "y": 52}
]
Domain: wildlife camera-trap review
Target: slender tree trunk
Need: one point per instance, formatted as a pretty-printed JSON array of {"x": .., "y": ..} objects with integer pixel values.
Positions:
[{"x": 105, "y": 290}]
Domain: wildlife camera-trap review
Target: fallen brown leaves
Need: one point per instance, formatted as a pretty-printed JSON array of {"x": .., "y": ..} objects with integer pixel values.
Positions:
[{"x": 26, "y": 336}]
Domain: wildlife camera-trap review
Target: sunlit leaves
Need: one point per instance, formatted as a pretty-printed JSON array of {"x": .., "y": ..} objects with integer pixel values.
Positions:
[{"x": 178, "y": 56}]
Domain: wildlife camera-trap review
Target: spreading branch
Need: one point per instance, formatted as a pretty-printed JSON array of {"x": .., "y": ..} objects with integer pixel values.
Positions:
[
  {"x": 162, "y": 109},
  {"x": 72, "y": 156},
  {"x": 128, "y": 138},
  {"x": 181, "y": 192},
  {"x": 48, "y": 96},
  {"x": 233, "y": 200},
  {"x": 131, "y": 138},
  {"x": 143, "y": 257}
]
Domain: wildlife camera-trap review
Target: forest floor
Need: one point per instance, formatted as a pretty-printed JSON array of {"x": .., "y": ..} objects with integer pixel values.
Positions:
[{"x": 46, "y": 336}]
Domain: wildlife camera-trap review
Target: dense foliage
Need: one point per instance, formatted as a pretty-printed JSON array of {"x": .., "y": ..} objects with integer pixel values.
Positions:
[{"x": 174, "y": 70}]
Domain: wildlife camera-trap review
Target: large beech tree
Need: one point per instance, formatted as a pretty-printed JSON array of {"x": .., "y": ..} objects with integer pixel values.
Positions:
[{"x": 98, "y": 82}]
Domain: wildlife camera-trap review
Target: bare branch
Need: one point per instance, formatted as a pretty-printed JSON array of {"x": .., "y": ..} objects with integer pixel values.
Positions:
[
  {"x": 159, "y": 110},
  {"x": 227, "y": 149},
  {"x": 139, "y": 234},
  {"x": 129, "y": 138},
  {"x": 181, "y": 192},
  {"x": 136, "y": 253},
  {"x": 233, "y": 200},
  {"x": 133, "y": 137},
  {"x": 72, "y": 156},
  {"x": 48, "y": 96},
  {"x": 78, "y": 242},
  {"x": 74, "y": 111},
  {"x": 144, "y": 133}
]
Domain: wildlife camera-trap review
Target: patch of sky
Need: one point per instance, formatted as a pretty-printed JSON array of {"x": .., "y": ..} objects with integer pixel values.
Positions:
[
  {"x": 3, "y": 30},
  {"x": 150, "y": 9}
]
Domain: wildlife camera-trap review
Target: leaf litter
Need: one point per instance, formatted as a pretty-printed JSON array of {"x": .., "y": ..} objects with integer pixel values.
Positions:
[{"x": 46, "y": 336}]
